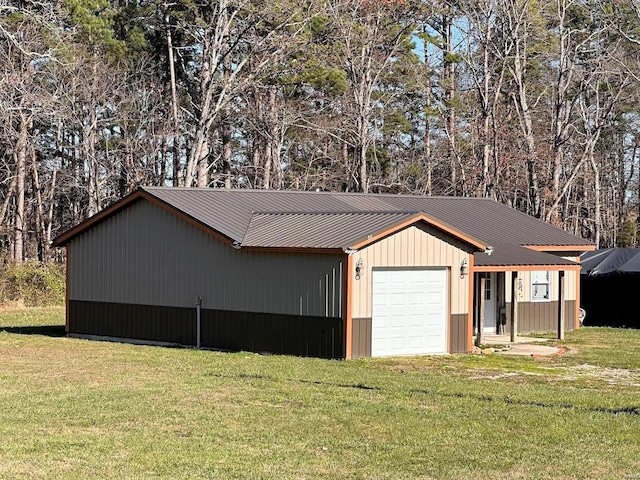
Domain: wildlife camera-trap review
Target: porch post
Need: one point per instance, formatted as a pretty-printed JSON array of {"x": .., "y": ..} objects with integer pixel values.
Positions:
[
  {"x": 514, "y": 306},
  {"x": 483, "y": 280},
  {"x": 561, "y": 305}
]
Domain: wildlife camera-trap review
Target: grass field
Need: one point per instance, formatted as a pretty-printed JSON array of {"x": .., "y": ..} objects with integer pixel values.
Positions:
[{"x": 79, "y": 409}]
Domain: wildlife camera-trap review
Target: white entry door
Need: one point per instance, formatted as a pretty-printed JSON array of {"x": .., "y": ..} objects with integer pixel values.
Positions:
[
  {"x": 409, "y": 312},
  {"x": 489, "y": 303}
]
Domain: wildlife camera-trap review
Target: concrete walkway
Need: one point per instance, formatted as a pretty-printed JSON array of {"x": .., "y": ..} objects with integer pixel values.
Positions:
[
  {"x": 531, "y": 350},
  {"x": 523, "y": 345}
]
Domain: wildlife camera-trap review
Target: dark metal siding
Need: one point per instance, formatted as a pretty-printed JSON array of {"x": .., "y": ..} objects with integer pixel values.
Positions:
[
  {"x": 361, "y": 337},
  {"x": 266, "y": 332},
  {"x": 228, "y": 330},
  {"x": 142, "y": 322},
  {"x": 542, "y": 316},
  {"x": 146, "y": 256},
  {"x": 458, "y": 333}
]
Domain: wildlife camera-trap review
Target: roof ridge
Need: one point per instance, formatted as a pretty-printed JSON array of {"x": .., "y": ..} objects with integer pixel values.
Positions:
[
  {"x": 329, "y": 212},
  {"x": 315, "y": 192}
]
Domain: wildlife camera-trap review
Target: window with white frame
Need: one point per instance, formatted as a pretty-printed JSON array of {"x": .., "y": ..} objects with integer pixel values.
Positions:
[{"x": 540, "y": 287}]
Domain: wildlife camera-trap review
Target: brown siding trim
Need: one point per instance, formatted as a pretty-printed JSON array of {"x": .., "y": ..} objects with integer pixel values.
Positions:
[
  {"x": 361, "y": 337},
  {"x": 221, "y": 329},
  {"x": 458, "y": 328},
  {"x": 429, "y": 221},
  {"x": 539, "y": 316}
]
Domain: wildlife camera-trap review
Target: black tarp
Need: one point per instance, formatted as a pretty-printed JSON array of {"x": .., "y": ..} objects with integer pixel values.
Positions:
[{"x": 610, "y": 287}]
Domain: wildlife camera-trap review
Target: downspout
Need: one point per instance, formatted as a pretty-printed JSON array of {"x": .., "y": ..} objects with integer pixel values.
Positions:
[{"x": 198, "y": 323}]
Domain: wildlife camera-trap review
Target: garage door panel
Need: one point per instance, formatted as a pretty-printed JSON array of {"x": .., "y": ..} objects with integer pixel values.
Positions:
[
  {"x": 397, "y": 321},
  {"x": 397, "y": 277},
  {"x": 398, "y": 298},
  {"x": 416, "y": 298},
  {"x": 409, "y": 312}
]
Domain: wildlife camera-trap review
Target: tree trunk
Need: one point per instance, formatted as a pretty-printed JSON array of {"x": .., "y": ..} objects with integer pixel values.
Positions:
[
  {"x": 225, "y": 135},
  {"x": 347, "y": 169},
  {"x": 203, "y": 166},
  {"x": 526, "y": 125},
  {"x": 428, "y": 160},
  {"x": 50, "y": 199},
  {"x": 255, "y": 160},
  {"x": 21, "y": 162},
  {"x": 174, "y": 99},
  {"x": 90, "y": 150},
  {"x": 450, "y": 92},
  {"x": 268, "y": 160},
  {"x": 274, "y": 137},
  {"x": 597, "y": 221},
  {"x": 90, "y": 141},
  {"x": 42, "y": 246}
]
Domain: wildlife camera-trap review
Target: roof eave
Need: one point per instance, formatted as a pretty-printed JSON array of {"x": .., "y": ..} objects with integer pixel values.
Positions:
[
  {"x": 525, "y": 268},
  {"x": 293, "y": 249}
]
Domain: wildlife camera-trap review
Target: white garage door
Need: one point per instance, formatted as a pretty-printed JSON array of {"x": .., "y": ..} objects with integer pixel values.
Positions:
[{"x": 409, "y": 312}]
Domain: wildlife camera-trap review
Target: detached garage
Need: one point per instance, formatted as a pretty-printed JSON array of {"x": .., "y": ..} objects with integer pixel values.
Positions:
[{"x": 333, "y": 275}]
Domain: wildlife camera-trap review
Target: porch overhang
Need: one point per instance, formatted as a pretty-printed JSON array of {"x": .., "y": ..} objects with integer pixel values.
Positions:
[{"x": 514, "y": 258}]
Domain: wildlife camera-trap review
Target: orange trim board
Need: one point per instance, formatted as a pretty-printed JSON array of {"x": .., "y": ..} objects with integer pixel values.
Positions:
[
  {"x": 577, "y": 309},
  {"x": 414, "y": 219},
  {"x": 471, "y": 295},
  {"x": 528, "y": 268}
]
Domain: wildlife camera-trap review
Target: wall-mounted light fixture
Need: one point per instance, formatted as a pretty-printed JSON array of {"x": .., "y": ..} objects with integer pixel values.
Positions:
[
  {"x": 359, "y": 269},
  {"x": 464, "y": 268}
]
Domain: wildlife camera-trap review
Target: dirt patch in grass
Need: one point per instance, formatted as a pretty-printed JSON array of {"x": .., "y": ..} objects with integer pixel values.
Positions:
[{"x": 612, "y": 376}]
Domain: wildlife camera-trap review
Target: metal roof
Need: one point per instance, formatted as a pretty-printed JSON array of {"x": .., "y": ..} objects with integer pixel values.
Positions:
[
  {"x": 317, "y": 230},
  {"x": 326, "y": 220},
  {"x": 230, "y": 212},
  {"x": 514, "y": 255}
]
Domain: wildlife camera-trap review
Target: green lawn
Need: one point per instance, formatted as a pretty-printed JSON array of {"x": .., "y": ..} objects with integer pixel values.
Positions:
[{"x": 79, "y": 409}]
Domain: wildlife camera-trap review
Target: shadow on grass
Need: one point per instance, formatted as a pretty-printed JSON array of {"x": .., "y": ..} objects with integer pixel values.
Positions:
[
  {"x": 46, "y": 330},
  {"x": 629, "y": 410}
]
